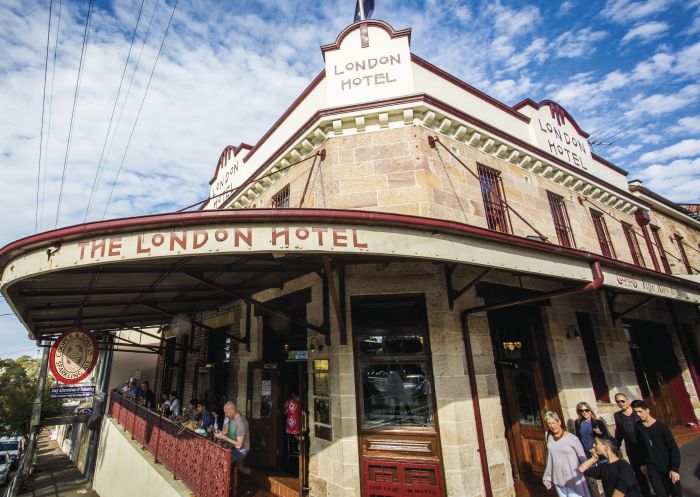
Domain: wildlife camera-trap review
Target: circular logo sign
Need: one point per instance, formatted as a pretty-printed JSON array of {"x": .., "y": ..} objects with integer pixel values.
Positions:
[{"x": 73, "y": 356}]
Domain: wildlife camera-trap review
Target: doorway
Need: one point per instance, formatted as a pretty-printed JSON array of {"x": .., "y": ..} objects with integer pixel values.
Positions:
[
  {"x": 279, "y": 460},
  {"x": 658, "y": 372},
  {"x": 526, "y": 386}
]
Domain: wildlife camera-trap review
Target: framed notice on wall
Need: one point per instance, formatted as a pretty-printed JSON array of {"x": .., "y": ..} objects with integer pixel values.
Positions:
[{"x": 322, "y": 399}]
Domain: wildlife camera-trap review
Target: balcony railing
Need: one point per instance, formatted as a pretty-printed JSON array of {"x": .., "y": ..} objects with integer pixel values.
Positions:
[{"x": 204, "y": 466}]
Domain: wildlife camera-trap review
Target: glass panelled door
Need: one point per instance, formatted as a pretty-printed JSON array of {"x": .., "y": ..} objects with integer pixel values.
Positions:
[
  {"x": 262, "y": 413},
  {"x": 517, "y": 353}
]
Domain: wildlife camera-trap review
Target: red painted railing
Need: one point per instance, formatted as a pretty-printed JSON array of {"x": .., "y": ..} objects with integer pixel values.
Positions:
[{"x": 204, "y": 466}]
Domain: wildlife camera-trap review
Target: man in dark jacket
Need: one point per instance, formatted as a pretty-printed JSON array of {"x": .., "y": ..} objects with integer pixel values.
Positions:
[
  {"x": 626, "y": 430},
  {"x": 661, "y": 455}
]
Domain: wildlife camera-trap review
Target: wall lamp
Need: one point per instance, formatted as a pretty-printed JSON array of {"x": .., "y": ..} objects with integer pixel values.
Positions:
[
  {"x": 572, "y": 332},
  {"x": 315, "y": 345}
]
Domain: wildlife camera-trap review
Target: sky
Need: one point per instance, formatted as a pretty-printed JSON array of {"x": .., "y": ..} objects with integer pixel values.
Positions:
[{"x": 626, "y": 70}]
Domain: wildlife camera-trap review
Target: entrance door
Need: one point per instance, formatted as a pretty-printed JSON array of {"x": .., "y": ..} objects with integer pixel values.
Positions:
[
  {"x": 658, "y": 372},
  {"x": 262, "y": 412},
  {"x": 526, "y": 386}
]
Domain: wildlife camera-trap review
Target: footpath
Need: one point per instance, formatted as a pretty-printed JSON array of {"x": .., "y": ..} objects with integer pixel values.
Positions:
[{"x": 55, "y": 474}]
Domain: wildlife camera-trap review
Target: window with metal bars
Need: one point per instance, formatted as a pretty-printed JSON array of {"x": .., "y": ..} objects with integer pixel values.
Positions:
[
  {"x": 492, "y": 192},
  {"x": 650, "y": 247},
  {"x": 281, "y": 198},
  {"x": 560, "y": 216},
  {"x": 631, "y": 237},
  {"x": 601, "y": 230},
  {"x": 684, "y": 256},
  {"x": 655, "y": 231}
]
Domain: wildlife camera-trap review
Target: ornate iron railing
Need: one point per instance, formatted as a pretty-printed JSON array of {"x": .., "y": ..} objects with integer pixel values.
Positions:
[{"x": 204, "y": 466}]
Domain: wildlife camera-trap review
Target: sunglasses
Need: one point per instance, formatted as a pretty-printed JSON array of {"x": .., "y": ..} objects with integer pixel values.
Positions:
[
  {"x": 584, "y": 410},
  {"x": 621, "y": 401}
]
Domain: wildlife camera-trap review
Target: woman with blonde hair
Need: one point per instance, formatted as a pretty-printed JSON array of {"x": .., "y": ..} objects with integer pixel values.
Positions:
[
  {"x": 564, "y": 455},
  {"x": 587, "y": 426}
]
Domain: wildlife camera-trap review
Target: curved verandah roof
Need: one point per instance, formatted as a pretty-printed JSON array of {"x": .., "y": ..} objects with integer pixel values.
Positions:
[{"x": 143, "y": 271}]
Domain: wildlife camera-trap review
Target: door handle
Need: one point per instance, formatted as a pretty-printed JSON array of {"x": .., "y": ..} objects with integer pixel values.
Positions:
[{"x": 513, "y": 365}]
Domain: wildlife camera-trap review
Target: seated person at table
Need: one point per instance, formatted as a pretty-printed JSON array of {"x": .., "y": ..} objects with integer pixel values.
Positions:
[
  {"x": 190, "y": 412},
  {"x": 206, "y": 419}
]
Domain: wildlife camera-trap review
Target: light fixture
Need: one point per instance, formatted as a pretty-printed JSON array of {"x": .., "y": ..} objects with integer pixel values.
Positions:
[
  {"x": 572, "y": 332},
  {"x": 315, "y": 345},
  {"x": 511, "y": 346}
]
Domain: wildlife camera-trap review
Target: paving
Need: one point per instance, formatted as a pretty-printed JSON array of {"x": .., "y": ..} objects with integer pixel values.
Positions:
[
  {"x": 690, "y": 468},
  {"x": 55, "y": 474}
]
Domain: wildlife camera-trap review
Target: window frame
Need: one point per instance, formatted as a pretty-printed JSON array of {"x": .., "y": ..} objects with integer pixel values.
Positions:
[
  {"x": 633, "y": 244},
  {"x": 494, "y": 198},
  {"x": 560, "y": 217},
  {"x": 601, "y": 228},
  {"x": 656, "y": 232},
  {"x": 681, "y": 250},
  {"x": 650, "y": 248},
  {"x": 421, "y": 328},
  {"x": 281, "y": 199}
]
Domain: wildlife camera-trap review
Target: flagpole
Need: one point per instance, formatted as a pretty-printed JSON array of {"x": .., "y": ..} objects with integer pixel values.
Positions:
[{"x": 362, "y": 9}]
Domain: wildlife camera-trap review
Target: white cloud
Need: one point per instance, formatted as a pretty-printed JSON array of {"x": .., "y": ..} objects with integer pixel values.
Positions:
[
  {"x": 658, "y": 104},
  {"x": 565, "y": 8},
  {"x": 628, "y": 11},
  {"x": 679, "y": 180},
  {"x": 577, "y": 43},
  {"x": 646, "y": 32},
  {"x": 685, "y": 148},
  {"x": 687, "y": 125}
]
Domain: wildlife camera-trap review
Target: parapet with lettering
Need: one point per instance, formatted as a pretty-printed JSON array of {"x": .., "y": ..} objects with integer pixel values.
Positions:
[{"x": 368, "y": 61}]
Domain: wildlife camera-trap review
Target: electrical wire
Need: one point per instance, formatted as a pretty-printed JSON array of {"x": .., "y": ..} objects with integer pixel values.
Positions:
[
  {"x": 111, "y": 117},
  {"x": 75, "y": 103},
  {"x": 43, "y": 110},
  {"x": 138, "y": 114},
  {"x": 48, "y": 130},
  {"x": 128, "y": 93}
]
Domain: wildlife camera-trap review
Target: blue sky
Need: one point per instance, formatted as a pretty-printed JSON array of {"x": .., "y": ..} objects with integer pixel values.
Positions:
[{"x": 626, "y": 70}]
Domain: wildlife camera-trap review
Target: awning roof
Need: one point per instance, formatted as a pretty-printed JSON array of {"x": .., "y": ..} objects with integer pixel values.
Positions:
[{"x": 146, "y": 270}]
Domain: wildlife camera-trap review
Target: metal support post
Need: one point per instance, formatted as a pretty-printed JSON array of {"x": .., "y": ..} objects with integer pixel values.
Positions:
[{"x": 35, "y": 425}]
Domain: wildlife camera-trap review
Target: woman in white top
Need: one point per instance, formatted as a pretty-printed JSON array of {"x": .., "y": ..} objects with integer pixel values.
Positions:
[
  {"x": 174, "y": 405},
  {"x": 564, "y": 454}
]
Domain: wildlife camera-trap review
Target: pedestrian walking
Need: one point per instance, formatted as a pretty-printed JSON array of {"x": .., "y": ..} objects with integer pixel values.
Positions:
[
  {"x": 661, "y": 455},
  {"x": 617, "y": 475},
  {"x": 587, "y": 426},
  {"x": 564, "y": 455},
  {"x": 626, "y": 431}
]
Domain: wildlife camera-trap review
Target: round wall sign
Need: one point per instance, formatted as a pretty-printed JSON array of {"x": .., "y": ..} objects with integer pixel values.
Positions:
[{"x": 73, "y": 356}]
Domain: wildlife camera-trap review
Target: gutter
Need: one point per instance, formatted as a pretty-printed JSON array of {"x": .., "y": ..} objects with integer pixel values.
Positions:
[{"x": 595, "y": 284}]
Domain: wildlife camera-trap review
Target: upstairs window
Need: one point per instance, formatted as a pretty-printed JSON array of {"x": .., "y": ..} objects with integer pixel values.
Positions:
[
  {"x": 650, "y": 246},
  {"x": 631, "y": 237},
  {"x": 493, "y": 194},
  {"x": 601, "y": 229},
  {"x": 655, "y": 231},
  {"x": 560, "y": 216},
  {"x": 684, "y": 256},
  {"x": 281, "y": 198}
]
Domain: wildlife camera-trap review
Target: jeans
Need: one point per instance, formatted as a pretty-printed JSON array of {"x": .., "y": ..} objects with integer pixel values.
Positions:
[{"x": 567, "y": 492}]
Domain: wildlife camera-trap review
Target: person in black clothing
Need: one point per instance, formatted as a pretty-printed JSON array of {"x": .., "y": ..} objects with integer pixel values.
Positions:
[
  {"x": 625, "y": 430},
  {"x": 149, "y": 398},
  {"x": 661, "y": 455},
  {"x": 617, "y": 475}
]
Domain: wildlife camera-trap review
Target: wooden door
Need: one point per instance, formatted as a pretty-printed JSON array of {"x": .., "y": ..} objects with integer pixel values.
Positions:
[
  {"x": 525, "y": 383},
  {"x": 262, "y": 411},
  {"x": 658, "y": 372}
]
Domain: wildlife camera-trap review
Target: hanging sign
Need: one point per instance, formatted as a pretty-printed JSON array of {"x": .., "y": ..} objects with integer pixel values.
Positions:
[
  {"x": 73, "y": 356},
  {"x": 72, "y": 392}
]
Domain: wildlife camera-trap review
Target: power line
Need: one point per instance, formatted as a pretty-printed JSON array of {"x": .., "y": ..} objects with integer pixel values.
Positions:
[
  {"x": 43, "y": 108},
  {"x": 138, "y": 114},
  {"x": 128, "y": 93},
  {"x": 75, "y": 103},
  {"x": 48, "y": 131},
  {"x": 111, "y": 117}
]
